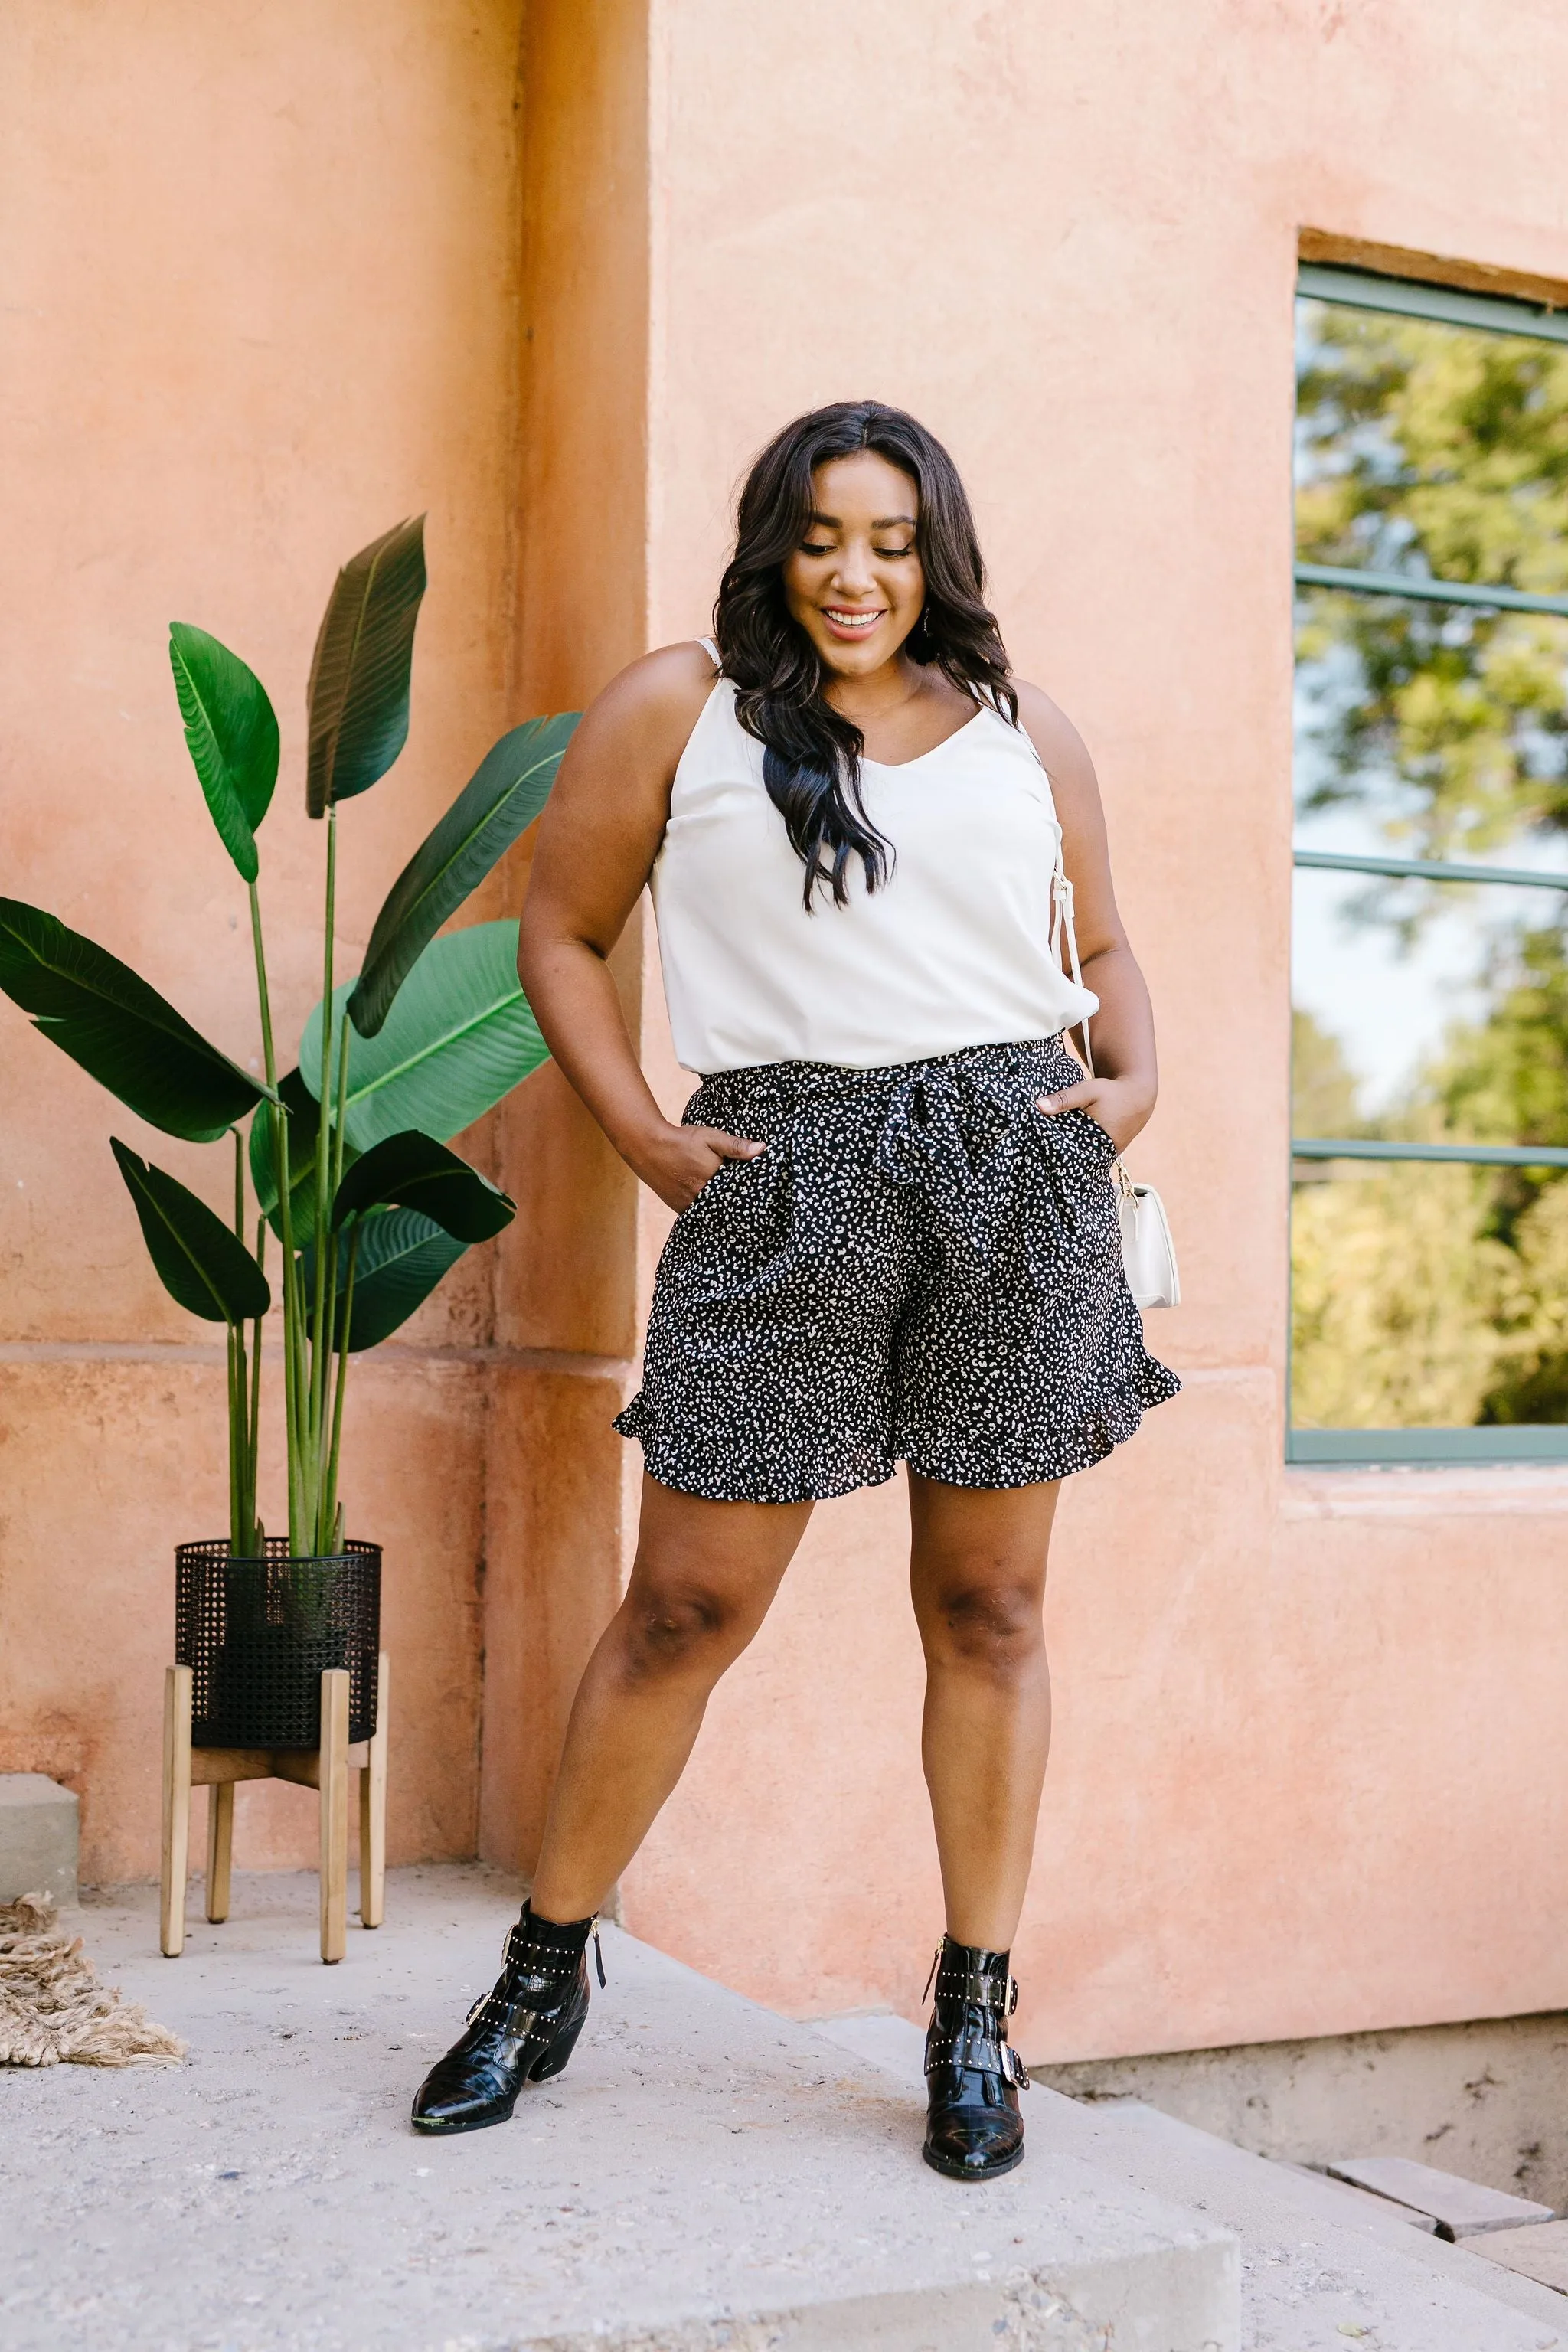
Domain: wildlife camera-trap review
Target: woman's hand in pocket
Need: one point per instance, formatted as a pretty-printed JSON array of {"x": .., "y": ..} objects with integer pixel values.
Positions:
[
  {"x": 1122, "y": 1107},
  {"x": 676, "y": 1161}
]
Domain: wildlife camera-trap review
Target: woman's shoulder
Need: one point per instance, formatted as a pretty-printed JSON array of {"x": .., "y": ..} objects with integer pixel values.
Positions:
[
  {"x": 655, "y": 703},
  {"x": 672, "y": 678},
  {"x": 1063, "y": 752}
]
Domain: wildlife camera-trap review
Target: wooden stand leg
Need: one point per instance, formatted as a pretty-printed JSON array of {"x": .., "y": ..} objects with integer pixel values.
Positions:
[
  {"x": 220, "y": 1847},
  {"x": 334, "y": 1762},
  {"x": 373, "y": 1813},
  {"x": 176, "y": 1809}
]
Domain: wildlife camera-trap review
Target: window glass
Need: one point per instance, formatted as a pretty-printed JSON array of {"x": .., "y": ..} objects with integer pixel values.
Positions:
[
  {"x": 1431, "y": 731},
  {"x": 1430, "y": 1013},
  {"x": 1441, "y": 1006},
  {"x": 1413, "y": 1311},
  {"x": 1437, "y": 450}
]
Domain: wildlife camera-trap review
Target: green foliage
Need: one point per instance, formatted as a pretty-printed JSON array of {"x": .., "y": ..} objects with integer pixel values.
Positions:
[
  {"x": 457, "y": 1039},
  {"x": 205, "y": 1267},
  {"x": 231, "y": 729},
  {"x": 1395, "y": 1297},
  {"x": 503, "y": 796},
  {"x": 357, "y": 699},
  {"x": 1438, "y": 1297},
  {"x": 1324, "y": 1099},
  {"x": 301, "y": 1128},
  {"x": 123, "y": 1033},
  {"x": 1505, "y": 1080},
  {"x": 1444, "y": 452},
  {"x": 399, "y": 1258},
  {"x": 1531, "y": 1384},
  {"x": 413, "y": 1171}
]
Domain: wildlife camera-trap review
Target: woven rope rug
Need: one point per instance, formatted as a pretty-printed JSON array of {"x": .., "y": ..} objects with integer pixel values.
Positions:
[{"x": 52, "y": 2007}]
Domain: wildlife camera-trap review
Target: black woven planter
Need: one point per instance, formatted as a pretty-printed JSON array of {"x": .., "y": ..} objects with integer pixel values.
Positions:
[{"x": 258, "y": 1635}]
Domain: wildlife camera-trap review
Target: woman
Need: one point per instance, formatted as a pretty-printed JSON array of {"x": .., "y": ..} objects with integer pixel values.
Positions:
[{"x": 896, "y": 1235}]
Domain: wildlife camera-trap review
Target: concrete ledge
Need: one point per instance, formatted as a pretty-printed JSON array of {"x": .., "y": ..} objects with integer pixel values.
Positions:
[
  {"x": 1319, "y": 2265},
  {"x": 38, "y": 1838},
  {"x": 706, "y": 2174},
  {"x": 1025, "y": 2317}
]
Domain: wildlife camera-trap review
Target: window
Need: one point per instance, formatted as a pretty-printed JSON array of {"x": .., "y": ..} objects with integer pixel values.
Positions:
[{"x": 1429, "y": 1219}]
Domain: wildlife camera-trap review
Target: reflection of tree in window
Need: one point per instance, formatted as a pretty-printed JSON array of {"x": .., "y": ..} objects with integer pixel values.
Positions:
[
  {"x": 1436, "y": 1296},
  {"x": 1441, "y": 452}
]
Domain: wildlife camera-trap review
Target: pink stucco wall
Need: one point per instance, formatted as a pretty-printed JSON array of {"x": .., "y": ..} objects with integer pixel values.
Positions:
[
  {"x": 261, "y": 290},
  {"x": 554, "y": 270},
  {"x": 1312, "y": 1745}
]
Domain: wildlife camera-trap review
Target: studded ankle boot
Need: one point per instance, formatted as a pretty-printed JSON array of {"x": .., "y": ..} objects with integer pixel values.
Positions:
[
  {"x": 974, "y": 2074},
  {"x": 524, "y": 2031}
]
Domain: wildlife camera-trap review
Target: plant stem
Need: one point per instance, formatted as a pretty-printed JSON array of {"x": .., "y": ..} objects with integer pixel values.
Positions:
[
  {"x": 234, "y": 1474},
  {"x": 238, "y": 1400},
  {"x": 264, "y": 1000},
  {"x": 333, "y": 1458},
  {"x": 321, "y": 1338},
  {"x": 253, "y": 1539},
  {"x": 342, "y": 1101},
  {"x": 335, "y": 1177},
  {"x": 276, "y": 1118},
  {"x": 239, "y": 1417}
]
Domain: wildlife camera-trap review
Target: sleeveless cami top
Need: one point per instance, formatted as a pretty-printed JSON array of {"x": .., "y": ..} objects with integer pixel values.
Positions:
[{"x": 955, "y": 949}]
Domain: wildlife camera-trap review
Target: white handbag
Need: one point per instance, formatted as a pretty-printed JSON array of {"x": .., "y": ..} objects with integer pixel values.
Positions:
[{"x": 1147, "y": 1250}]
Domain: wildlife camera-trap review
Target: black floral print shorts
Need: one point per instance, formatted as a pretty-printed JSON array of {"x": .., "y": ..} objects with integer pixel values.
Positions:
[{"x": 920, "y": 1266}]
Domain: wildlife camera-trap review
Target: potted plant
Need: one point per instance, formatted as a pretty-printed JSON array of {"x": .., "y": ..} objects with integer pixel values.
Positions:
[{"x": 346, "y": 1165}]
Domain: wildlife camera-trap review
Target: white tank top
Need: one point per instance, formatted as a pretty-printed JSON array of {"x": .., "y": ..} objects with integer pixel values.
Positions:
[{"x": 955, "y": 949}]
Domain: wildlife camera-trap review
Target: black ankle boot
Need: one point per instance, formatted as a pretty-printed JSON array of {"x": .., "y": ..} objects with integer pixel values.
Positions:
[
  {"x": 523, "y": 2031},
  {"x": 973, "y": 2074}
]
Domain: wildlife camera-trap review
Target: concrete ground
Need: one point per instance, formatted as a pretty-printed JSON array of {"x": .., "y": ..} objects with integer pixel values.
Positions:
[
  {"x": 1321, "y": 2263},
  {"x": 705, "y": 2173}
]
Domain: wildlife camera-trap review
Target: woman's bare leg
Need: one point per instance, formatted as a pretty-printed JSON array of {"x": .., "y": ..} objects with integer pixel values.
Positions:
[
  {"x": 977, "y": 1575},
  {"x": 703, "y": 1578}
]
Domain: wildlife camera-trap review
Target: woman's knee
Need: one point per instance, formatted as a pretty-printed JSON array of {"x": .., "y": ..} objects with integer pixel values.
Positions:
[
  {"x": 677, "y": 1626},
  {"x": 985, "y": 1621}
]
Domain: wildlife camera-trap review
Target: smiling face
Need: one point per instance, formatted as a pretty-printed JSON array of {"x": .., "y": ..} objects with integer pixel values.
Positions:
[{"x": 855, "y": 583}]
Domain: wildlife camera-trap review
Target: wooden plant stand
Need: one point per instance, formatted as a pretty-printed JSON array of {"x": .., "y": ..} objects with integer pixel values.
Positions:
[{"x": 326, "y": 1768}]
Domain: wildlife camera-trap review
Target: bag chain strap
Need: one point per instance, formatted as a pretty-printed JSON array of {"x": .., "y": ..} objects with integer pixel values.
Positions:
[{"x": 1064, "y": 935}]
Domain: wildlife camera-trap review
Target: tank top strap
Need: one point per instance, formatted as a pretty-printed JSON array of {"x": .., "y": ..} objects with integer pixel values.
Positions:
[{"x": 711, "y": 650}]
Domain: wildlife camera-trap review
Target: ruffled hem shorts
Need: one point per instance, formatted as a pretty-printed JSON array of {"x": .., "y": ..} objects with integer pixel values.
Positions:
[{"x": 922, "y": 1267}]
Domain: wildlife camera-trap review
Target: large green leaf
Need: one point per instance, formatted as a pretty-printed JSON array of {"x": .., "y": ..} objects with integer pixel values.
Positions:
[
  {"x": 357, "y": 700},
  {"x": 457, "y": 1039},
  {"x": 231, "y": 729},
  {"x": 300, "y": 1128},
  {"x": 401, "y": 1257},
  {"x": 202, "y": 1265},
  {"x": 414, "y": 1171},
  {"x": 123, "y": 1033},
  {"x": 503, "y": 796}
]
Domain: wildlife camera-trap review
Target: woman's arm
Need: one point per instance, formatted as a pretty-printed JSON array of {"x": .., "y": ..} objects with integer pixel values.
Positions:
[
  {"x": 597, "y": 841},
  {"x": 1121, "y": 1093}
]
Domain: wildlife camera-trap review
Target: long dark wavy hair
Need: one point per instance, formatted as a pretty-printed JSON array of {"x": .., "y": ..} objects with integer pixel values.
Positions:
[{"x": 811, "y": 752}]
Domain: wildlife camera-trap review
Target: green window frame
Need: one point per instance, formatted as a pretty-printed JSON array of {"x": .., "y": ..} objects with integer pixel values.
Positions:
[{"x": 1538, "y": 1441}]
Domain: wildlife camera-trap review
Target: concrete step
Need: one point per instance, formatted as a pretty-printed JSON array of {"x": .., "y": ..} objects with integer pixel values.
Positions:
[
  {"x": 1459, "y": 2208},
  {"x": 38, "y": 1837},
  {"x": 1321, "y": 2270},
  {"x": 706, "y": 2173},
  {"x": 1540, "y": 2251}
]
